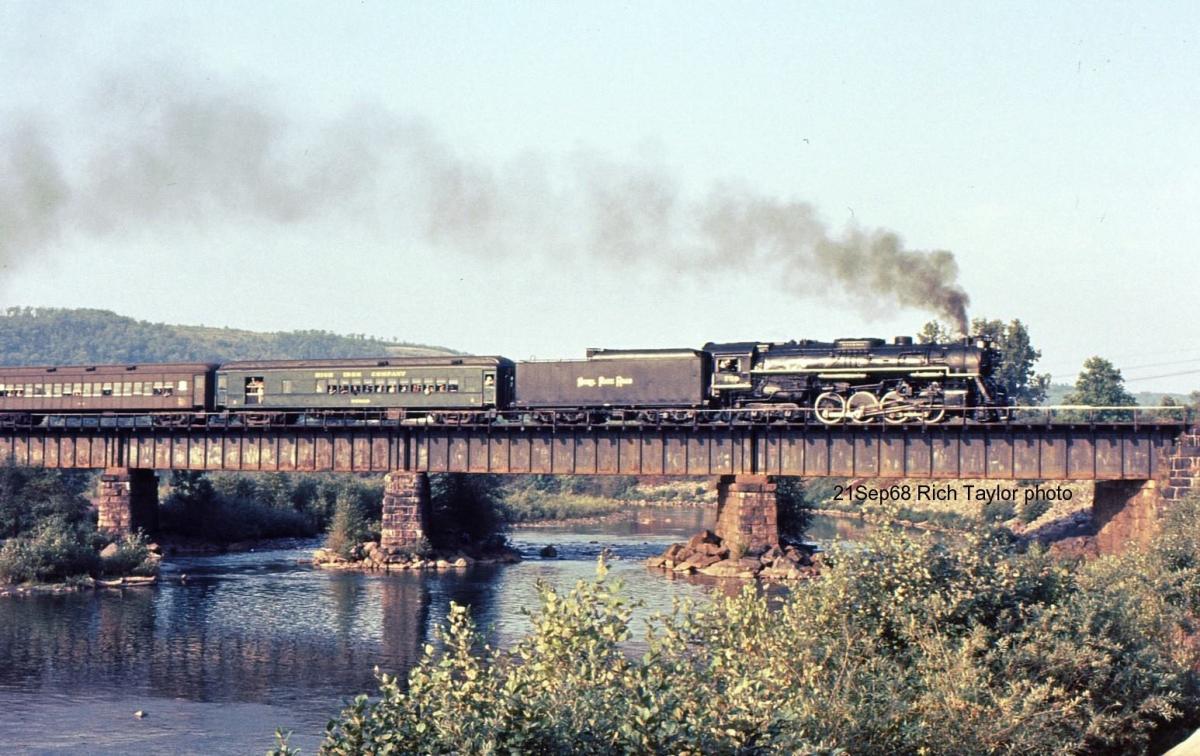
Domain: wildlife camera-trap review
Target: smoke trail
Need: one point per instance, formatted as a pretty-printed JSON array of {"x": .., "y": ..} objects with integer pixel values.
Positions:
[{"x": 181, "y": 155}]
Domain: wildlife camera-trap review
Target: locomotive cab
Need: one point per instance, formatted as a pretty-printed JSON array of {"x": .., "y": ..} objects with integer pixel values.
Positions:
[{"x": 731, "y": 366}]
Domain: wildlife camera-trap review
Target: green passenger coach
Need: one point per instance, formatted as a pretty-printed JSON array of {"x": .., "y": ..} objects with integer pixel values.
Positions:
[{"x": 405, "y": 383}]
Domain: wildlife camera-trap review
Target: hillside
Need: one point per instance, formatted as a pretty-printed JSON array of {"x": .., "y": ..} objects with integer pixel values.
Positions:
[{"x": 52, "y": 336}]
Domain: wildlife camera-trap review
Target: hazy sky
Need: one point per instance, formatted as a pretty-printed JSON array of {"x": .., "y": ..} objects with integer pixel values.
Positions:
[{"x": 532, "y": 179}]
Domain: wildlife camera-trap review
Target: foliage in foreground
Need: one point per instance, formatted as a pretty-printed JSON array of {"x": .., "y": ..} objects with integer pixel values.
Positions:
[{"x": 905, "y": 645}]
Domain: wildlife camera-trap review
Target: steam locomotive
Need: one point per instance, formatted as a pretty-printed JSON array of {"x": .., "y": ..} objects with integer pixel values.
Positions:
[{"x": 859, "y": 380}]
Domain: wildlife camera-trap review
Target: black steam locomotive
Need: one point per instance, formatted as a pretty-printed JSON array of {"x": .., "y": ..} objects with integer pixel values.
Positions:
[{"x": 847, "y": 380}]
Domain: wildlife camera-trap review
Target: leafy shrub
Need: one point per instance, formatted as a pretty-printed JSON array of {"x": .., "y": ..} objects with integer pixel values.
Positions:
[
  {"x": 30, "y": 496},
  {"x": 905, "y": 645},
  {"x": 132, "y": 558},
  {"x": 53, "y": 550},
  {"x": 794, "y": 507},
  {"x": 998, "y": 511},
  {"x": 234, "y": 507},
  {"x": 352, "y": 525},
  {"x": 1033, "y": 509},
  {"x": 464, "y": 510}
]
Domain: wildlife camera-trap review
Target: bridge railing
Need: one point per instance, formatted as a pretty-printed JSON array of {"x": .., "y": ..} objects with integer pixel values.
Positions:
[
  {"x": 1015, "y": 416},
  {"x": 1075, "y": 414}
]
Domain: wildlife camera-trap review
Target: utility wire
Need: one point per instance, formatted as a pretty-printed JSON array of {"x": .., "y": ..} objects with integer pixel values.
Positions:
[
  {"x": 1187, "y": 372},
  {"x": 1123, "y": 368}
]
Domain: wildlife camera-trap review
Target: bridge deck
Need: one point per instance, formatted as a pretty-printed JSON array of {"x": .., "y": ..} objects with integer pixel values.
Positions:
[{"x": 1092, "y": 451}]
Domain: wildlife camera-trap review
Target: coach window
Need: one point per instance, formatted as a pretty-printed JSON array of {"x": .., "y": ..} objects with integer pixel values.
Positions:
[
  {"x": 39, "y": 389},
  {"x": 106, "y": 389},
  {"x": 254, "y": 389},
  {"x": 320, "y": 386},
  {"x": 287, "y": 386},
  {"x": 137, "y": 388},
  {"x": 127, "y": 388}
]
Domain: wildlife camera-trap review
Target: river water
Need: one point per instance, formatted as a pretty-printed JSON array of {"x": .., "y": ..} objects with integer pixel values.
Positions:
[{"x": 227, "y": 648}]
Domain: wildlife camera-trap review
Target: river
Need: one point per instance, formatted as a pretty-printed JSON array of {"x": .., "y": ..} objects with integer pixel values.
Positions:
[{"x": 227, "y": 648}]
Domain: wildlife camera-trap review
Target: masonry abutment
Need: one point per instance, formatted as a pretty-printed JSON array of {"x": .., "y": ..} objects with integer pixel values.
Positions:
[
  {"x": 747, "y": 512},
  {"x": 1130, "y": 512},
  {"x": 126, "y": 501},
  {"x": 405, "y": 510}
]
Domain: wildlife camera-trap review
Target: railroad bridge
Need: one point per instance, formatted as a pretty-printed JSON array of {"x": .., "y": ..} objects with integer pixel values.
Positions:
[{"x": 1140, "y": 463}]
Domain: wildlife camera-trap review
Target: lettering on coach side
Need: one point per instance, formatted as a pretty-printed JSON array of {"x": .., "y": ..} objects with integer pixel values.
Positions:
[{"x": 619, "y": 381}]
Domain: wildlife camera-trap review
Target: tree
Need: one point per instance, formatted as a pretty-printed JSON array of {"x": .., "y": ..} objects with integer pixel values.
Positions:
[
  {"x": 1100, "y": 384},
  {"x": 934, "y": 332},
  {"x": 1014, "y": 374}
]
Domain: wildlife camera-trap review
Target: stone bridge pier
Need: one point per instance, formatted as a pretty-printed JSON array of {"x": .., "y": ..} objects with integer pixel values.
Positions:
[
  {"x": 1130, "y": 512},
  {"x": 405, "y": 510},
  {"x": 126, "y": 501},
  {"x": 747, "y": 513}
]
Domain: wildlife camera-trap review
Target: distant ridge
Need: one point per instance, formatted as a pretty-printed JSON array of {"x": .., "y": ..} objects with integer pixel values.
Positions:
[{"x": 61, "y": 336}]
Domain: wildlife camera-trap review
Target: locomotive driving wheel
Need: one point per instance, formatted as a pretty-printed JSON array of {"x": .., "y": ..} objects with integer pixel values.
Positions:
[
  {"x": 862, "y": 407},
  {"x": 895, "y": 408},
  {"x": 830, "y": 408}
]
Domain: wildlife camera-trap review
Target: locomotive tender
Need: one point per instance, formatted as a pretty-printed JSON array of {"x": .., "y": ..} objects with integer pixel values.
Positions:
[{"x": 857, "y": 380}]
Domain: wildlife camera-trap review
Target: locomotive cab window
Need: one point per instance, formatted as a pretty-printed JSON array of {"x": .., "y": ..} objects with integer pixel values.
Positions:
[{"x": 727, "y": 365}]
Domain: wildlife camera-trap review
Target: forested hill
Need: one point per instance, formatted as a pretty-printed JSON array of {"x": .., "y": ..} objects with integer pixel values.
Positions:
[{"x": 50, "y": 336}]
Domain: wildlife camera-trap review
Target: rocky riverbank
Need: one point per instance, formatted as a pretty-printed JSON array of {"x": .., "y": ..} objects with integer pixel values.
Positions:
[
  {"x": 705, "y": 554},
  {"x": 77, "y": 584},
  {"x": 371, "y": 557}
]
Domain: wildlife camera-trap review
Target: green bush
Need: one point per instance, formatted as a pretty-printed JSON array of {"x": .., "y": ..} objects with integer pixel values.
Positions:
[
  {"x": 794, "y": 506},
  {"x": 998, "y": 511},
  {"x": 226, "y": 507},
  {"x": 30, "y": 496},
  {"x": 354, "y": 522},
  {"x": 132, "y": 558},
  {"x": 53, "y": 550},
  {"x": 905, "y": 645},
  {"x": 1031, "y": 510},
  {"x": 531, "y": 505},
  {"x": 465, "y": 510}
]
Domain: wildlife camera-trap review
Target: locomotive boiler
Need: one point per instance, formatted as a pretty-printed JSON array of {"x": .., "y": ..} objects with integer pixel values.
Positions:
[{"x": 858, "y": 380}]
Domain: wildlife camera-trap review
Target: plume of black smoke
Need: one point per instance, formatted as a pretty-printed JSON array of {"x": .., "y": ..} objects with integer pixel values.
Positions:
[{"x": 185, "y": 157}]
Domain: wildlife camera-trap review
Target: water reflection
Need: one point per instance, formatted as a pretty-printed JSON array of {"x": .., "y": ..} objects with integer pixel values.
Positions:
[{"x": 228, "y": 647}]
